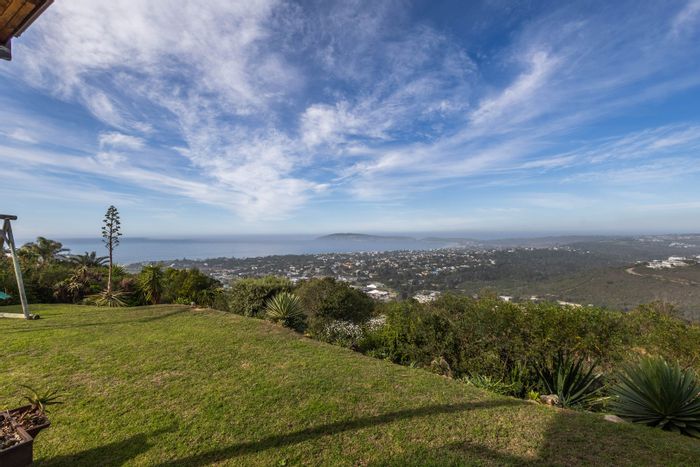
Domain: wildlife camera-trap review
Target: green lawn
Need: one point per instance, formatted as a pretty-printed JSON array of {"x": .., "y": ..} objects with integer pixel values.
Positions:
[{"x": 169, "y": 386}]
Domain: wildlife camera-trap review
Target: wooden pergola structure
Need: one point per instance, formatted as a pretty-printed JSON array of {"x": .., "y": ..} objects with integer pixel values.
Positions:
[
  {"x": 15, "y": 17},
  {"x": 6, "y": 238}
]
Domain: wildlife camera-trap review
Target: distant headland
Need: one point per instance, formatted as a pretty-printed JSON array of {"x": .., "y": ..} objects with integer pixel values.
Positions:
[{"x": 364, "y": 237}]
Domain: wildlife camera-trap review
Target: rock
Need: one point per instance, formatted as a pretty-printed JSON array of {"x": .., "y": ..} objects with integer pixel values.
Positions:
[
  {"x": 613, "y": 418},
  {"x": 549, "y": 399}
]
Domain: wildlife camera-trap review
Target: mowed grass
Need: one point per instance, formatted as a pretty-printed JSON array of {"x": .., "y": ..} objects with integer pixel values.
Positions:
[{"x": 167, "y": 385}]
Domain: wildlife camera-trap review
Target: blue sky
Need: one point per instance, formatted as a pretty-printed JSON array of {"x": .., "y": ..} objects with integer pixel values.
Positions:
[{"x": 225, "y": 117}]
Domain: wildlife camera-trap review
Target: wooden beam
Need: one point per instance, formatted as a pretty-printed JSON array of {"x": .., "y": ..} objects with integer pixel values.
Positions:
[
  {"x": 14, "y": 315},
  {"x": 17, "y": 15},
  {"x": 9, "y": 238},
  {"x": 40, "y": 7},
  {"x": 3, "y": 6},
  {"x": 14, "y": 16}
]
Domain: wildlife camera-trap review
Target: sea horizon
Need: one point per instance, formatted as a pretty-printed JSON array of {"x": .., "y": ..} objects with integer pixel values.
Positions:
[{"x": 136, "y": 249}]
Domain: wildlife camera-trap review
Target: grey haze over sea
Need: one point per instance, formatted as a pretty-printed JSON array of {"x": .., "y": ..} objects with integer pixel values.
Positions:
[
  {"x": 141, "y": 249},
  {"x": 132, "y": 250}
]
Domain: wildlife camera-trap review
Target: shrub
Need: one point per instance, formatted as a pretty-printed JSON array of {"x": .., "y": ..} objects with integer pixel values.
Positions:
[
  {"x": 249, "y": 296},
  {"x": 343, "y": 333},
  {"x": 188, "y": 286},
  {"x": 439, "y": 366},
  {"x": 412, "y": 334},
  {"x": 494, "y": 338},
  {"x": 656, "y": 393},
  {"x": 569, "y": 380},
  {"x": 327, "y": 300},
  {"x": 656, "y": 330},
  {"x": 285, "y": 308}
]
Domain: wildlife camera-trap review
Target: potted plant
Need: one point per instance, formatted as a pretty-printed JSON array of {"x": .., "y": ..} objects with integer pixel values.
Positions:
[
  {"x": 32, "y": 417},
  {"x": 16, "y": 445}
]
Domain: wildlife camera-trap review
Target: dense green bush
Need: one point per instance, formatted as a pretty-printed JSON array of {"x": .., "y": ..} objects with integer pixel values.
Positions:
[
  {"x": 50, "y": 276},
  {"x": 188, "y": 286},
  {"x": 413, "y": 334},
  {"x": 326, "y": 300},
  {"x": 656, "y": 393},
  {"x": 657, "y": 329},
  {"x": 495, "y": 338},
  {"x": 249, "y": 296}
]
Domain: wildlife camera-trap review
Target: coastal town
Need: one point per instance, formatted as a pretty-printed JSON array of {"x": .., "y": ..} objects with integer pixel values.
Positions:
[
  {"x": 385, "y": 276},
  {"x": 553, "y": 269}
]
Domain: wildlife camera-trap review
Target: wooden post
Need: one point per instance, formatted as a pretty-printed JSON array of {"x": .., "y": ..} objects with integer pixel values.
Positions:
[{"x": 10, "y": 240}]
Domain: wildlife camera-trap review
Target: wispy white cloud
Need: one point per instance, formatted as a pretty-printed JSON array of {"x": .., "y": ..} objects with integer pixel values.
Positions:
[
  {"x": 114, "y": 139},
  {"x": 22, "y": 135},
  {"x": 687, "y": 18},
  {"x": 272, "y": 104}
]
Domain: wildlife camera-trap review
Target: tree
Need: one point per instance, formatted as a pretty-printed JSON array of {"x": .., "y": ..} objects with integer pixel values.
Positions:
[
  {"x": 44, "y": 250},
  {"x": 111, "y": 231},
  {"x": 151, "y": 283},
  {"x": 90, "y": 260}
]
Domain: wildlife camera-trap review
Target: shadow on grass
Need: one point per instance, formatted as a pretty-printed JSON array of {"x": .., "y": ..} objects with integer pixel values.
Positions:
[
  {"x": 50, "y": 327},
  {"x": 112, "y": 454},
  {"x": 570, "y": 438},
  {"x": 271, "y": 442},
  {"x": 452, "y": 454}
]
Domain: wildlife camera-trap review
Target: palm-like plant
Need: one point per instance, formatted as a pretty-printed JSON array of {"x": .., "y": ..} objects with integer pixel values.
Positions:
[
  {"x": 569, "y": 380},
  {"x": 656, "y": 393},
  {"x": 151, "y": 283},
  {"x": 90, "y": 260},
  {"x": 286, "y": 308},
  {"x": 45, "y": 250},
  {"x": 78, "y": 283}
]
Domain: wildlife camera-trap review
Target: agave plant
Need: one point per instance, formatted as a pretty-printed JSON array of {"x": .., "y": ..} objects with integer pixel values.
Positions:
[
  {"x": 488, "y": 383},
  {"x": 568, "y": 378},
  {"x": 40, "y": 401},
  {"x": 286, "y": 308},
  {"x": 108, "y": 298},
  {"x": 659, "y": 394}
]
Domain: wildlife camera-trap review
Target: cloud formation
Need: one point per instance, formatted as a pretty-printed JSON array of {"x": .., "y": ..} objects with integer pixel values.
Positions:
[{"x": 266, "y": 107}]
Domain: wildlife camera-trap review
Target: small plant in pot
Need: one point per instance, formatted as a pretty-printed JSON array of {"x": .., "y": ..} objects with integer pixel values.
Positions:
[
  {"x": 19, "y": 427},
  {"x": 32, "y": 417}
]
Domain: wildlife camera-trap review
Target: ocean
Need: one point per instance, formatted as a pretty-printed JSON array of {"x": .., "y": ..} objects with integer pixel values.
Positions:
[{"x": 133, "y": 250}]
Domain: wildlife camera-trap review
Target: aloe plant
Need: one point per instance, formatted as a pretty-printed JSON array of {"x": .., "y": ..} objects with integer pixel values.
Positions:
[
  {"x": 659, "y": 394},
  {"x": 111, "y": 299},
  {"x": 40, "y": 401},
  {"x": 285, "y": 308},
  {"x": 569, "y": 379}
]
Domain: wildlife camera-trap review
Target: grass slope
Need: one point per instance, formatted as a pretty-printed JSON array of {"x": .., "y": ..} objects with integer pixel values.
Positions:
[{"x": 170, "y": 386}]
